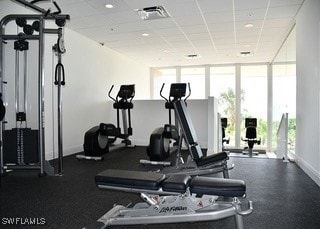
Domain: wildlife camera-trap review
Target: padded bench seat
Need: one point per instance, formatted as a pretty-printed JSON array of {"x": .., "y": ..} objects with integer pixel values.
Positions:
[
  {"x": 218, "y": 157},
  {"x": 177, "y": 183},
  {"x": 130, "y": 179},
  {"x": 217, "y": 186}
]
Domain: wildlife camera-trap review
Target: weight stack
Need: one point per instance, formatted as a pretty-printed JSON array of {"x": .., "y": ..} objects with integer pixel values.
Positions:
[{"x": 20, "y": 146}]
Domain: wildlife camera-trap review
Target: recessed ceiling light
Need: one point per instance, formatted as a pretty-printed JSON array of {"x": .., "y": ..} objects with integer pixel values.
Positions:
[
  {"x": 250, "y": 14},
  {"x": 249, "y": 25},
  {"x": 145, "y": 34},
  {"x": 109, "y": 6}
]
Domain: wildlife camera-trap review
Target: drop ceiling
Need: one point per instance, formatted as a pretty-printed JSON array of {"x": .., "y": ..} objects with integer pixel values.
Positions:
[{"x": 214, "y": 30}]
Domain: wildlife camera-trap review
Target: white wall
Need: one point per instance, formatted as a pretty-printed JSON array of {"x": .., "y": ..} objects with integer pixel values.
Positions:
[
  {"x": 90, "y": 70},
  {"x": 308, "y": 88}
]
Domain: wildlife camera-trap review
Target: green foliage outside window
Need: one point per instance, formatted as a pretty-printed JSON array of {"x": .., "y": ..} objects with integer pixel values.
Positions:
[{"x": 227, "y": 100}]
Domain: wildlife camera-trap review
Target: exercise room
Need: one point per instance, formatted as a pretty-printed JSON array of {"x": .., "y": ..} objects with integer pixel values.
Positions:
[{"x": 143, "y": 114}]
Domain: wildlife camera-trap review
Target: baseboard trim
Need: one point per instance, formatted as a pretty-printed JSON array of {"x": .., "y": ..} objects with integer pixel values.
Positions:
[{"x": 308, "y": 169}]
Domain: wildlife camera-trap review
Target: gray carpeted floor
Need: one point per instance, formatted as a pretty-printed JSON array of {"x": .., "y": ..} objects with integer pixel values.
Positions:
[{"x": 283, "y": 195}]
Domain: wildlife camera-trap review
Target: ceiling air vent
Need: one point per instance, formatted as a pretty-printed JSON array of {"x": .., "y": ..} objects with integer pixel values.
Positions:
[
  {"x": 151, "y": 13},
  {"x": 246, "y": 53},
  {"x": 192, "y": 56}
]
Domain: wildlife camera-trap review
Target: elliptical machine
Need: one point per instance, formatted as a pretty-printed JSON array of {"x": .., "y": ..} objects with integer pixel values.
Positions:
[
  {"x": 164, "y": 140},
  {"x": 100, "y": 140}
]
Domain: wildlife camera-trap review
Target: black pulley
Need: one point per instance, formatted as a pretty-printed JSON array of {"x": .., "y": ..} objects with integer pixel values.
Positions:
[
  {"x": 36, "y": 26},
  {"x": 20, "y": 21},
  {"x": 28, "y": 29},
  {"x": 21, "y": 45},
  {"x": 60, "y": 45},
  {"x": 60, "y": 22}
]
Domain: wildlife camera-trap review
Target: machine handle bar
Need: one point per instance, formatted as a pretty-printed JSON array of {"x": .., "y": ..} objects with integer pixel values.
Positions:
[
  {"x": 109, "y": 94},
  {"x": 246, "y": 212},
  {"x": 189, "y": 88},
  {"x": 161, "y": 93}
]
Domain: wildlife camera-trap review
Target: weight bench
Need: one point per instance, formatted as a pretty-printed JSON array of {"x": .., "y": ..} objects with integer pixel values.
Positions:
[
  {"x": 174, "y": 198},
  {"x": 197, "y": 163}
]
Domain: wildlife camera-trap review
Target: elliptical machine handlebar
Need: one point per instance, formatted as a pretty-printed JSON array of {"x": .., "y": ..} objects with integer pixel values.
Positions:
[
  {"x": 161, "y": 93},
  {"x": 189, "y": 88},
  {"x": 109, "y": 94}
]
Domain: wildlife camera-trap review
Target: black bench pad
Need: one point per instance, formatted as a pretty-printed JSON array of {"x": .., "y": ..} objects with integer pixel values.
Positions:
[
  {"x": 176, "y": 183},
  {"x": 218, "y": 157},
  {"x": 130, "y": 179},
  {"x": 217, "y": 186}
]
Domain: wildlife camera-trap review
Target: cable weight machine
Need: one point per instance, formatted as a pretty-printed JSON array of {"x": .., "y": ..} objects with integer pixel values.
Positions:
[{"x": 23, "y": 145}]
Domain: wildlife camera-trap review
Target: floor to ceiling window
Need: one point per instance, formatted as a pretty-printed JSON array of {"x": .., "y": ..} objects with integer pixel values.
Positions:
[
  {"x": 284, "y": 94},
  {"x": 222, "y": 86},
  {"x": 245, "y": 85},
  {"x": 160, "y": 76},
  {"x": 196, "y": 78},
  {"x": 254, "y": 97},
  {"x": 284, "y": 89}
]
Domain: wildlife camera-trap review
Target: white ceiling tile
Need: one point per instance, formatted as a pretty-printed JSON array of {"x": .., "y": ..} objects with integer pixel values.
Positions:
[
  {"x": 285, "y": 2},
  {"x": 169, "y": 31},
  {"x": 139, "y": 4},
  {"x": 194, "y": 29},
  {"x": 183, "y": 9},
  {"x": 66, "y": 2},
  {"x": 276, "y": 32},
  {"x": 253, "y": 14},
  {"x": 214, "y": 27},
  {"x": 87, "y": 22},
  {"x": 283, "y": 11},
  {"x": 279, "y": 22},
  {"x": 250, "y": 4},
  {"x": 175, "y": 38},
  {"x": 221, "y": 17},
  {"x": 118, "y": 6},
  {"x": 211, "y": 6},
  {"x": 247, "y": 39},
  {"x": 160, "y": 23},
  {"x": 80, "y": 9},
  {"x": 124, "y": 17},
  {"x": 189, "y": 20},
  {"x": 185, "y": 33}
]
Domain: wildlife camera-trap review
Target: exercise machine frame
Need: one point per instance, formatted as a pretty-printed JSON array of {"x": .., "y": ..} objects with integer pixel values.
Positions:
[
  {"x": 197, "y": 163},
  {"x": 104, "y": 135},
  {"x": 172, "y": 199},
  {"x": 164, "y": 140},
  {"x": 43, "y": 166},
  {"x": 251, "y": 136}
]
